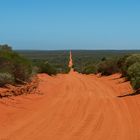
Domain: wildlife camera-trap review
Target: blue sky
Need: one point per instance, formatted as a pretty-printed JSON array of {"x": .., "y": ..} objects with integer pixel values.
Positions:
[{"x": 70, "y": 24}]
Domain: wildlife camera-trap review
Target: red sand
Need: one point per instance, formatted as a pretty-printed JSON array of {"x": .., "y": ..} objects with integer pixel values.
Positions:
[{"x": 73, "y": 107}]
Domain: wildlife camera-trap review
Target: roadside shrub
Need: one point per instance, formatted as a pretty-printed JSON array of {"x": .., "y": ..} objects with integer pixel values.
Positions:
[
  {"x": 121, "y": 65},
  {"x": 22, "y": 68},
  {"x": 89, "y": 69},
  {"x": 126, "y": 61},
  {"x": 133, "y": 74},
  {"x": 108, "y": 67},
  {"x": 14, "y": 64},
  {"x": 132, "y": 59},
  {"x": 47, "y": 68},
  {"x": 6, "y": 78}
]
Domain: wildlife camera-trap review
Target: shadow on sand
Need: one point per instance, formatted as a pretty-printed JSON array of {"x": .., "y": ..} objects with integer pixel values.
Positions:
[{"x": 131, "y": 94}]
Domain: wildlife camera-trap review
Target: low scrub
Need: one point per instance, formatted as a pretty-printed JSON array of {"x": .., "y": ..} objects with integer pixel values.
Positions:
[
  {"x": 129, "y": 61},
  {"x": 6, "y": 78},
  {"x": 90, "y": 69},
  {"x": 133, "y": 74},
  {"x": 45, "y": 67},
  {"x": 14, "y": 66},
  {"x": 122, "y": 65},
  {"x": 108, "y": 67}
]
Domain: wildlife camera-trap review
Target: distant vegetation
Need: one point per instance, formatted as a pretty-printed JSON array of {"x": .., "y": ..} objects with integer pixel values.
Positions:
[{"x": 55, "y": 60}]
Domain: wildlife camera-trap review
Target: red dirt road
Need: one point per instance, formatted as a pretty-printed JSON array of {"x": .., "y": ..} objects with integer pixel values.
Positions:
[
  {"x": 73, "y": 107},
  {"x": 70, "y": 61}
]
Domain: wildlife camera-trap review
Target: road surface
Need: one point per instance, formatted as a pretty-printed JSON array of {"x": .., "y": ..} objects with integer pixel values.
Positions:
[{"x": 73, "y": 107}]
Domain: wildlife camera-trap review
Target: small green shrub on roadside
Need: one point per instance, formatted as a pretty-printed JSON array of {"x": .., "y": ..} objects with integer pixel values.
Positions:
[
  {"x": 132, "y": 59},
  {"x": 108, "y": 67},
  {"x": 47, "y": 68},
  {"x": 133, "y": 74},
  {"x": 22, "y": 68},
  {"x": 89, "y": 69},
  {"x": 121, "y": 64},
  {"x": 125, "y": 62}
]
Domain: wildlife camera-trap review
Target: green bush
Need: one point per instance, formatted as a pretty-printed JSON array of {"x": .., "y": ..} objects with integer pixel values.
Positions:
[
  {"x": 47, "y": 68},
  {"x": 14, "y": 64},
  {"x": 132, "y": 59},
  {"x": 89, "y": 69},
  {"x": 122, "y": 66},
  {"x": 108, "y": 67},
  {"x": 6, "y": 78},
  {"x": 133, "y": 74},
  {"x": 22, "y": 68},
  {"x": 126, "y": 61}
]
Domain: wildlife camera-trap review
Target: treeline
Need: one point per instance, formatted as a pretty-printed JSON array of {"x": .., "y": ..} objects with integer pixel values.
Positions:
[
  {"x": 16, "y": 69},
  {"x": 128, "y": 65}
]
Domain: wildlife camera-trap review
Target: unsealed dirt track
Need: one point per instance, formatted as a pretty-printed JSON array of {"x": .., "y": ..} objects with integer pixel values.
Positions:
[{"x": 73, "y": 107}]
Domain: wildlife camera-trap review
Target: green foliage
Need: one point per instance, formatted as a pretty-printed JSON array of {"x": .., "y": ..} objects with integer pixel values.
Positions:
[
  {"x": 47, "y": 68},
  {"x": 57, "y": 59},
  {"x": 134, "y": 75},
  {"x": 14, "y": 64},
  {"x": 126, "y": 61},
  {"x": 6, "y": 78},
  {"x": 108, "y": 67},
  {"x": 90, "y": 69},
  {"x": 22, "y": 68},
  {"x": 132, "y": 59},
  {"x": 122, "y": 64}
]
